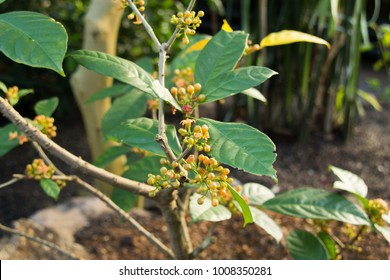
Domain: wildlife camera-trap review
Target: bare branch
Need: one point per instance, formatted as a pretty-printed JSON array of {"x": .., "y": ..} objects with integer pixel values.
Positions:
[
  {"x": 8, "y": 183},
  {"x": 43, "y": 155}
]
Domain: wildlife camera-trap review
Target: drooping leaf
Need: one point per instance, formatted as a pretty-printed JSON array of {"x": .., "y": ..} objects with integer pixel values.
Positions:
[
  {"x": 124, "y": 199},
  {"x": 349, "y": 182},
  {"x": 46, "y": 107},
  {"x": 385, "y": 231},
  {"x": 128, "y": 106},
  {"x": 256, "y": 193},
  {"x": 245, "y": 210},
  {"x": 310, "y": 203},
  {"x": 265, "y": 222},
  {"x": 290, "y": 36},
  {"x": 33, "y": 39},
  {"x": 241, "y": 146},
  {"x": 50, "y": 188},
  {"x": 140, "y": 169},
  {"x": 329, "y": 244},
  {"x": 207, "y": 212},
  {"x": 303, "y": 245},
  {"x": 6, "y": 144},
  {"x": 254, "y": 93},
  {"x": 123, "y": 70},
  {"x": 110, "y": 155},
  {"x": 113, "y": 91},
  {"x": 141, "y": 133}
]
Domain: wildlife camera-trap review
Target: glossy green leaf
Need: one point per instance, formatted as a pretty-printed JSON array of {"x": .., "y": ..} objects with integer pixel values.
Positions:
[
  {"x": 141, "y": 133},
  {"x": 241, "y": 146},
  {"x": 123, "y": 70},
  {"x": 233, "y": 82},
  {"x": 113, "y": 91},
  {"x": 46, "y": 107},
  {"x": 33, "y": 39},
  {"x": 50, "y": 188},
  {"x": 310, "y": 203},
  {"x": 139, "y": 170},
  {"x": 206, "y": 212},
  {"x": 290, "y": 36},
  {"x": 6, "y": 144},
  {"x": 385, "y": 231},
  {"x": 349, "y": 182},
  {"x": 330, "y": 245},
  {"x": 256, "y": 193},
  {"x": 245, "y": 210},
  {"x": 110, "y": 155},
  {"x": 303, "y": 245},
  {"x": 220, "y": 55},
  {"x": 265, "y": 222},
  {"x": 124, "y": 199},
  {"x": 254, "y": 93},
  {"x": 128, "y": 106}
]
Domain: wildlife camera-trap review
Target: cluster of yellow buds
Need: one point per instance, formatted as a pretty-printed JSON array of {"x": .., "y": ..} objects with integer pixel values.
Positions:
[
  {"x": 183, "y": 77},
  {"x": 251, "y": 48},
  {"x": 195, "y": 137},
  {"x": 188, "y": 97},
  {"x": 46, "y": 125},
  {"x": 38, "y": 170},
  {"x": 187, "y": 23},
  {"x": 168, "y": 177},
  {"x": 211, "y": 177},
  {"x": 12, "y": 95},
  {"x": 375, "y": 209},
  {"x": 140, "y": 4}
]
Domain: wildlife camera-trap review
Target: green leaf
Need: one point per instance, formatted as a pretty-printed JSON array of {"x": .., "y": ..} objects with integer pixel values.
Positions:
[
  {"x": 113, "y": 91},
  {"x": 124, "y": 199},
  {"x": 245, "y": 210},
  {"x": 46, "y": 107},
  {"x": 329, "y": 244},
  {"x": 123, "y": 70},
  {"x": 265, "y": 222},
  {"x": 385, "y": 231},
  {"x": 7, "y": 145},
  {"x": 207, "y": 212},
  {"x": 310, "y": 203},
  {"x": 290, "y": 36},
  {"x": 139, "y": 170},
  {"x": 256, "y": 193},
  {"x": 220, "y": 55},
  {"x": 236, "y": 81},
  {"x": 303, "y": 245},
  {"x": 33, "y": 39},
  {"x": 110, "y": 155},
  {"x": 128, "y": 106},
  {"x": 254, "y": 93},
  {"x": 3, "y": 87},
  {"x": 50, "y": 188},
  {"x": 2, "y": 1},
  {"x": 370, "y": 99},
  {"x": 349, "y": 182},
  {"x": 241, "y": 146},
  {"x": 141, "y": 133}
]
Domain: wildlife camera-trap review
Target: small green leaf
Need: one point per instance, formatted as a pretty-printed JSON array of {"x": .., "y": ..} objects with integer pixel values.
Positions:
[
  {"x": 207, "y": 212},
  {"x": 3, "y": 87},
  {"x": 124, "y": 199},
  {"x": 256, "y": 193},
  {"x": 139, "y": 170},
  {"x": 349, "y": 182},
  {"x": 24, "y": 92},
  {"x": 290, "y": 36},
  {"x": 249, "y": 150},
  {"x": 265, "y": 222},
  {"x": 46, "y": 107},
  {"x": 329, "y": 244},
  {"x": 110, "y": 155},
  {"x": 33, "y": 39},
  {"x": 254, "y": 93},
  {"x": 303, "y": 245},
  {"x": 245, "y": 210},
  {"x": 141, "y": 133},
  {"x": 310, "y": 203},
  {"x": 370, "y": 99},
  {"x": 6, "y": 144},
  {"x": 385, "y": 231},
  {"x": 50, "y": 188},
  {"x": 128, "y": 106},
  {"x": 113, "y": 91}
]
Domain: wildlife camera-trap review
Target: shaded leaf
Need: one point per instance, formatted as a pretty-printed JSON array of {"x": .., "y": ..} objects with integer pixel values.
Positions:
[
  {"x": 249, "y": 150},
  {"x": 245, "y": 210},
  {"x": 46, "y": 107},
  {"x": 265, "y": 222},
  {"x": 290, "y": 36},
  {"x": 207, "y": 212},
  {"x": 309, "y": 203},
  {"x": 303, "y": 245},
  {"x": 139, "y": 170},
  {"x": 110, "y": 155},
  {"x": 50, "y": 188},
  {"x": 124, "y": 199},
  {"x": 329, "y": 243},
  {"x": 33, "y": 39},
  {"x": 349, "y": 182},
  {"x": 113, "y": 91},
  {"x": 256, "y": 193},
  {"x": 6, "y": 144}
]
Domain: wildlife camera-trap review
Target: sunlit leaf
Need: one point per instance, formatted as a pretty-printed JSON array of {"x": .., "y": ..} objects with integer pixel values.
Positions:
[
  {"x": 290, "y": 36},
  {"x": 226, "y": 26},
  {"x": 265, "y": 222},
  {"x": 349, "y": 182},
  {"x": 254, "y": 93},
  {"x": 385, "y": 231},
  {"x": 256, "y": 193},
  {"x": 198, "y": 46},
  {"x": 207, "y": 212},
  {"x": 370, "y": 99}
]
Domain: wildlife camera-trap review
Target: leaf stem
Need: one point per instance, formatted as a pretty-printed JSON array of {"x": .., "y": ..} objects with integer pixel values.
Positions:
[{"x": 8, "y": 183}]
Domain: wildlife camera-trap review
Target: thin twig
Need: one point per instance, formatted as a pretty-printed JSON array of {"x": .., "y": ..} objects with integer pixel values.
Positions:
[
  {"x": 43, "y": 155},
  {"x": 183, "y": 154},
  {"x": 10, "y": 182},
  {"x": 41, "y": 241}
]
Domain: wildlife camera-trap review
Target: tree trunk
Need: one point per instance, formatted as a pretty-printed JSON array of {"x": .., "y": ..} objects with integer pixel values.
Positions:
[{"x": 102, "y": 23}]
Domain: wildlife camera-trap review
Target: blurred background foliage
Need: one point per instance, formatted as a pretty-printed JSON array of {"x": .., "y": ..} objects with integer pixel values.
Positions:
[{"x": 316, "y": 90}]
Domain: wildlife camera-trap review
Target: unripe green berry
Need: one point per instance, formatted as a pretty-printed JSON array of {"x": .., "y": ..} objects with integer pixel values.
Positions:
[{"x": 200, "y": 200}]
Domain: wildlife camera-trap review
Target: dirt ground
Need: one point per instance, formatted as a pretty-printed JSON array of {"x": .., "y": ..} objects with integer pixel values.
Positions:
[{"x": 368, "y": 155}]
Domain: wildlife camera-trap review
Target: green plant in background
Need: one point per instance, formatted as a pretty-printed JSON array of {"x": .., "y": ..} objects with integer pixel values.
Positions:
[{"x": 183, "y": 166}]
